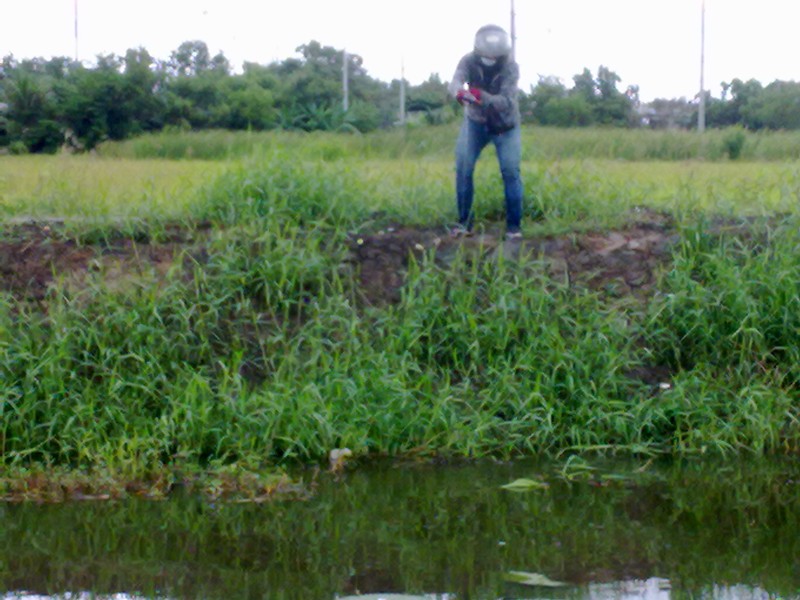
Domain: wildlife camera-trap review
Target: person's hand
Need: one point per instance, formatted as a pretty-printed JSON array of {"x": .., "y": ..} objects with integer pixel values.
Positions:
[
  {"x": 470, "y": 96},
  {"x": 476, "y": 93}
]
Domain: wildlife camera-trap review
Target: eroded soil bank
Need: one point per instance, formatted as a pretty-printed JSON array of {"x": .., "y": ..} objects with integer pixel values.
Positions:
[{"x": 36, "y": 254}]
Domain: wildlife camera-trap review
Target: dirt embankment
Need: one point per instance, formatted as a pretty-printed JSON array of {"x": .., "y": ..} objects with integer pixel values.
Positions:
[{"x": 625, "y": 261}]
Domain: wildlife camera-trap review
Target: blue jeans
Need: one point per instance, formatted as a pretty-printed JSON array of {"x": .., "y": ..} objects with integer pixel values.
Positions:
[{"x": 472, "y": 139}]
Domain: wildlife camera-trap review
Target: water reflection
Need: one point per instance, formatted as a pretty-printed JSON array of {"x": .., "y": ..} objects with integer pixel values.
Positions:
[
  {"x": 650, "y": 589},
  {"x": 716, "y": 531},
  {"x": 69, "y": 596}
]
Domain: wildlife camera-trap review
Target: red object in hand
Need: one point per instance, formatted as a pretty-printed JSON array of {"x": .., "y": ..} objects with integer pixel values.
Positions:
[{"x": 470, "y": 96}]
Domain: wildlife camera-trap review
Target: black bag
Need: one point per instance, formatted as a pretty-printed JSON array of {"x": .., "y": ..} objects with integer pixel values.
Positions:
[{"x": 495, "y": 122}]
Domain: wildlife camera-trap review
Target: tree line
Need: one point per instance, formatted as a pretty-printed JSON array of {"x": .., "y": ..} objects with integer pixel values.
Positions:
[{"x": 48, "y": 103}]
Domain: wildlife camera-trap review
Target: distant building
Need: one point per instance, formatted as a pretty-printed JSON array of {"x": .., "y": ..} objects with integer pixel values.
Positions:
[
  {"x": 646, "y": 114},
  {"x": 667, "y": 114}
]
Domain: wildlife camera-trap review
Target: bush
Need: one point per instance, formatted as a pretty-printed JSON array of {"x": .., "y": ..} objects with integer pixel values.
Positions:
[{"x": 733, "y": 143}]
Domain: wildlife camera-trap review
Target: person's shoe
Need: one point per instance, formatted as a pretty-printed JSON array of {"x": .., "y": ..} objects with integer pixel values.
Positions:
[
  {"x": 460, "y": 231},
  {"x": 513, "y": 235}
]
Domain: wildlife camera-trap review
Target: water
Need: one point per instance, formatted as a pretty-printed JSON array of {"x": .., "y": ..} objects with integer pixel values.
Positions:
[{"x": 604, "y": 531}]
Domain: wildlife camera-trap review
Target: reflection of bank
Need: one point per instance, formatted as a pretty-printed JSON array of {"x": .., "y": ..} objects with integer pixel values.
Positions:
[
  {"x": 75, "y": 596},
  {"x": 648, "y": 589},
  {"x": 656, "y": 588},
  {"x": 394, "y": 596}
]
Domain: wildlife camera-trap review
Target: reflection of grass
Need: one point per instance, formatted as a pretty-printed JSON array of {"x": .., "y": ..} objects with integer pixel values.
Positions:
[
  {"x": 427, "y": 529},
  {"x": 225, "y": 483}
]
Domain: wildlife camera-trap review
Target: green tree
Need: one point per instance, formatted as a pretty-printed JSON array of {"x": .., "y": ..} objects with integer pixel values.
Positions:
[
  {"x": 429, "y": 95},
  {"x": 195, "y": 100},
  {"x": 592, "y": 100},
  {"x": 572, "y": 111},
  {"x": 194, "y": 90},
  {"x": 261, "y": 75},
  {"x": 250, "y": 105},
  {"x": 608, "y": 105},
  {"x": 190, "y": 58},
  {"x": 731, "y": 109},
  {"x": 4, "y": 139},
  {"x": 318, "y": 81},
  {"x": 31, "y": 115},
  {"x": 309, "y": 93},
  {"x": 776, "y": 107},
  {"x": 538, "y": 106},
  {"x": 585, "y": 86},
  {"x": 142, "y": 79},
  {"x": 611, "y": 107},
  {"x": 99, "y": 103}
]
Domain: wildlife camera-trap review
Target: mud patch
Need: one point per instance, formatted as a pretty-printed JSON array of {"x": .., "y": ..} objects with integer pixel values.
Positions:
[
  {"x": 621, "y": 262},
  {"x": 31, "y": 257},
  {"x": 34, "y": 256}
]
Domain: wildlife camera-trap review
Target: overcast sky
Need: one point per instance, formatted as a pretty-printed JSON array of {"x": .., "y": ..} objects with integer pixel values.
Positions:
[{"x": 651, "y": 43}]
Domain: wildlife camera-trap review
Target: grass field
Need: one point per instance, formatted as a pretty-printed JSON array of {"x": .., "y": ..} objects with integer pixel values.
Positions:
[
  {"x": 573, "y": 193},
  {"x": 84, "y": 187},
  {"x": 230, "y": 328}
]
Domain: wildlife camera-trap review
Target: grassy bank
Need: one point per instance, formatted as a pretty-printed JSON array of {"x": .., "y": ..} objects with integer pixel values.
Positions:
[{"x": 257, "y": 346}]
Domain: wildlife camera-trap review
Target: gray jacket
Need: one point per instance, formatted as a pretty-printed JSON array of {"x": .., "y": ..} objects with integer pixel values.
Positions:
[{"x": 499, "y": 107}]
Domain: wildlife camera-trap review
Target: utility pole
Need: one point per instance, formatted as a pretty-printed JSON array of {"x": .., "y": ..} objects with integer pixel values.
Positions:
[
  {"x": 701, "y": 111},
  {"x": 402, "y": 93},
  {"x": 513, "y": 32},
  {"x": 76, "y": 30},
  {"x": 345, "y": 82}
]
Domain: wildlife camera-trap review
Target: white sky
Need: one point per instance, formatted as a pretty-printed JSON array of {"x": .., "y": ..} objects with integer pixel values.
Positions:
[{"x": 652, "y": 43}]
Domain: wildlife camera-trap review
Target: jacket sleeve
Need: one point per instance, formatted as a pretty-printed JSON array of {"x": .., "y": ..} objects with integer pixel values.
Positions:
[{"x": 459, "y": 77}]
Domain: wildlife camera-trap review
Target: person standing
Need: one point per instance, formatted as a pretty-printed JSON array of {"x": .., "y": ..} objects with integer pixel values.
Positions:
[{"x": 485, "y": 83}]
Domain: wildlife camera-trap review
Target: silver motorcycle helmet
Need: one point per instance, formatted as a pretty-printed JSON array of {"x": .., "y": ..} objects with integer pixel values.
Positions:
[{"x": 491, "y": 44}]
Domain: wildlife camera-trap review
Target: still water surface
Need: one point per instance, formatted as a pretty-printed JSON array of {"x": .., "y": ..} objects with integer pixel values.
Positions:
[{"x": 602, "y": 530}]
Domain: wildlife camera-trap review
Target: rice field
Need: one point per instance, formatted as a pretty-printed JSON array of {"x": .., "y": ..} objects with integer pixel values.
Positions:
[
  {"x": 237, "y": 325},
  {"x": 89, "y": 187}
]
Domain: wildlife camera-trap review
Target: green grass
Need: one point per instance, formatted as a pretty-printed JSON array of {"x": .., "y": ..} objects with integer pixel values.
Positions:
[
  {"x": 259, "y": 350},
  {"x": 90, "y": 187},
  {"x": 572, "y": 193},
  {"x": 539, "y": 143}
]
